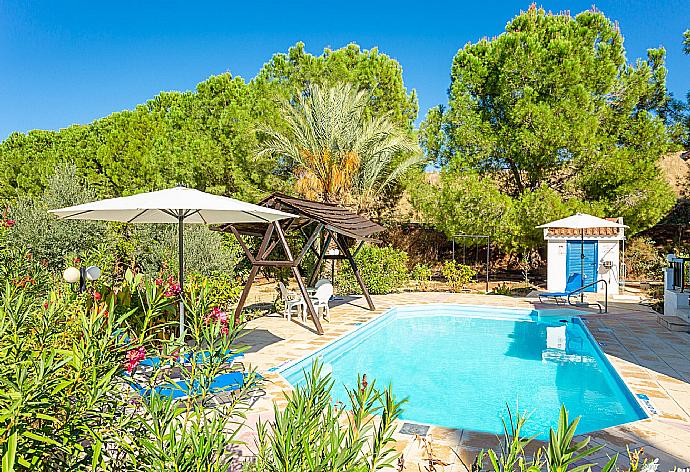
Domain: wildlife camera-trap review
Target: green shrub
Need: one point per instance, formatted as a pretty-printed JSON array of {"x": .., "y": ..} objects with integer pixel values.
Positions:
[
  {"x": 561, "y": 454},
  {"x": 383, "y": 270},
  {"x": 48, "y": 239},
  {"x": 503, "y": 289},
  {"x": 312, "y": 434},
  {"x": 66, "y": 404},
  {"x": 223, "y": 289},
  {"x": 205, "y": 251},
  {"x": 457, "y": 275},
  {"x": 643, "y": 260},
  {"x": 422, "y": 273}
]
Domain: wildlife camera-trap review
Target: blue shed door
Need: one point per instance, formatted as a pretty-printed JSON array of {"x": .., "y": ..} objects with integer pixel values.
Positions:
[{"x": 591, "y": 258}]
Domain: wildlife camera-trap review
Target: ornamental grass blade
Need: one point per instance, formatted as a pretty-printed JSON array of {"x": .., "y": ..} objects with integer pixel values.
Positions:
[{"x": 9, "y": 457}]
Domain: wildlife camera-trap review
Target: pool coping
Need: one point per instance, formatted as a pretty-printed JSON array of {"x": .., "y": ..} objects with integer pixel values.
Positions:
[
  {"x": 642, "y": 409},
  {"x": 626, "y": 333}
]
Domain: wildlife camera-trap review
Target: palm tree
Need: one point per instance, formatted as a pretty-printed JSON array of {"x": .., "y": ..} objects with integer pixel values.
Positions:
[{"x": 338, "y": 153}]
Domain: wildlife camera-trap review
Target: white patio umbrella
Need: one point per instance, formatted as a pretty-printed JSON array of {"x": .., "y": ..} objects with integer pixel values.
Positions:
[
  {"x": 176, "y": 205},
  {"x": 582, "y": 221}
]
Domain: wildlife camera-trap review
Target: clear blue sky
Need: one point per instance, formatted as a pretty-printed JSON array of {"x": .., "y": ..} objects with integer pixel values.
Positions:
[{"x": 68, "y": 62}]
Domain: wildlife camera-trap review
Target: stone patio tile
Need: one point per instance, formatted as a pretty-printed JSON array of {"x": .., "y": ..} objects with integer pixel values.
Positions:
[
  {"x": 478, "y": 440},
  {"x": 650, "y": 359},
  {"x": 445, "y": 435}
]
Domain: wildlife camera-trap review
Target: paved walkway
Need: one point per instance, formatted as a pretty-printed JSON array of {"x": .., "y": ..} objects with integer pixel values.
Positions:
[{"x": 651, "y": 360}]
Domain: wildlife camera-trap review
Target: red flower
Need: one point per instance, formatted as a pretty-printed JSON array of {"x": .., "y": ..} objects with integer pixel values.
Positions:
[
  {"x": 97, "y": 296},
  {"x": 9, "y": 223},
  {"x": 173, "y": 289},
  {"x": 45, "y": 305},
  {"x": 134, "y": 357},
  {"x": 76, "y": 260},
  {"x": 220, "y": 317},
  {"x": 159, "y": 282}
]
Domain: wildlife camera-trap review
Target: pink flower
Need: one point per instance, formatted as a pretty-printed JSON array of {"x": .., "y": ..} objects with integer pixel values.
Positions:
[
  {"x": 45, "y": 305},
  {"x": 9, "y": 223},
  {"x": 173, "y": 290},
  {"x": 134, "y": 357},
  {"x": 220, "y": 317},
  {"x": 97, "y": 296}
]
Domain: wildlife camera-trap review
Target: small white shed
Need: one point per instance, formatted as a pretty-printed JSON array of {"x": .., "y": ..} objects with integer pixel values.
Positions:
[{"x": 600, "y": 247}]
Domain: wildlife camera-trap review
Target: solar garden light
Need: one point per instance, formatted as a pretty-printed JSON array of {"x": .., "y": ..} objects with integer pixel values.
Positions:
[{"x": 72, "y": 275}]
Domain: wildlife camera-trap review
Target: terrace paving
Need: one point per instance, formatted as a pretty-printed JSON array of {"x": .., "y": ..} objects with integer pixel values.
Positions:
[{"x": 650, "y": 359}]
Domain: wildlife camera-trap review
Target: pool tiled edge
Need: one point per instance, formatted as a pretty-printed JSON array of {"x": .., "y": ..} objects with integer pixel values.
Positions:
[{"x": 624, "y": 335}]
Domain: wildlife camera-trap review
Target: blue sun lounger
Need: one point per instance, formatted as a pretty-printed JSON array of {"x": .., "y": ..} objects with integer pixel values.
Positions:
[
  {"x": 152, "y": 363},
  {"x": 180, "y": 389},
  {"x": 573, "y": 285},
  {"x": 227, "y": 383}
]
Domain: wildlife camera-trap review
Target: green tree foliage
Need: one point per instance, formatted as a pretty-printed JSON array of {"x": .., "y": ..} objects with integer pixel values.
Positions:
[
  {"x": 151, "y": 248},
  {"x": 546, "y": 118},
  {"x": 41, "y": 236},
  {"x": 206, "y": 138},
  {"x": 677, "y": 113},
  {"x": 338, "y": 153},
  {"x": 369, "y": 70}
]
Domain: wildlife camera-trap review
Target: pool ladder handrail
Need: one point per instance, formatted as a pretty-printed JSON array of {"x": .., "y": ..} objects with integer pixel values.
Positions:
[{"x": 602, "y": 309}]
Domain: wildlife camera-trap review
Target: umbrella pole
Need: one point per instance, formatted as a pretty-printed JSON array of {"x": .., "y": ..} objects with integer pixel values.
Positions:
[
  {"x": 582, "y": 263},
  {"x": 180, "y": 250}
]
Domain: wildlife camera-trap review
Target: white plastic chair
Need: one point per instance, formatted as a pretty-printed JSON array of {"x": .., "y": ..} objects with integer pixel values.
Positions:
[
  {"x": 311, "y": 291},
  {"x": 320, "y": 300},
  {"x": 322, "y": 282},
  {"x": 292, "y": 302}
]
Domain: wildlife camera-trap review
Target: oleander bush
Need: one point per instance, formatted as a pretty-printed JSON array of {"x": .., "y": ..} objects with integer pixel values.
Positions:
[
  {"x": 562, "y": 453},
  {"x": 66, "y": 365},
  {"x": 312, "y": 433},
  {"x": 383, "y": 269}
]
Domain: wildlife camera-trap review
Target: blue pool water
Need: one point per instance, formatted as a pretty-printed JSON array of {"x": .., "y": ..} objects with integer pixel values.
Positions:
[{"x": 459, "y": 366}]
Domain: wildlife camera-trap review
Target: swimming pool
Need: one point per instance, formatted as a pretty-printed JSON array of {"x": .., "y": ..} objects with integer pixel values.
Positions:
[{"x": 459, "y": 366}]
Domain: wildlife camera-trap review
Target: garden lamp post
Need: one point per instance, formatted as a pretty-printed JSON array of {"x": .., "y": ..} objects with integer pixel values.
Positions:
[{"x": 81, "y": 275}]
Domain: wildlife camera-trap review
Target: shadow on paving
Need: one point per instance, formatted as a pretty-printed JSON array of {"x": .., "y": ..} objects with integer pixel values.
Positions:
[{"x": 258, "y": 339}]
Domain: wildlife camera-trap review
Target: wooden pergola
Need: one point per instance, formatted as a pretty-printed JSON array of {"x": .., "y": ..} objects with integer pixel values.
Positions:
[{"x": 326, "y": 223}]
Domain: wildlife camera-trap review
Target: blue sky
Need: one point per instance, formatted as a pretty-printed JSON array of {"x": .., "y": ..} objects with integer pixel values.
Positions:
[{"x": 72, "y": 62}]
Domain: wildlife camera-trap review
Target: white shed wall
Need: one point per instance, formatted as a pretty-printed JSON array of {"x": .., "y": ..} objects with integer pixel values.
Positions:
[
  {"x": 556, "y": 255},
  {"x": 556, "y": 263}
]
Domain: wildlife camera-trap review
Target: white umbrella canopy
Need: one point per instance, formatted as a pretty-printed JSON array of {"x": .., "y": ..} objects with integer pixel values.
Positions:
[
  {"x": 582, "y": 221},
  {"x": 176, "y": 205},
  {"x": 168, "y": 206}
]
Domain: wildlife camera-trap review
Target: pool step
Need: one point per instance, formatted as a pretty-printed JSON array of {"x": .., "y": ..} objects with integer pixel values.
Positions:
[{"x": 673, "y": 323}]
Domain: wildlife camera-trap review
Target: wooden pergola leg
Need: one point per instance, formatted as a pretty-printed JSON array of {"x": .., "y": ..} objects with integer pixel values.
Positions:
[
  {"x": 300, "y": 281},
  {"x": 245, "y": 292},
  {"x": 319, "y": 262},
  {"x": 343, "y": 247},
  {"x": 255, "y": 268}
]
